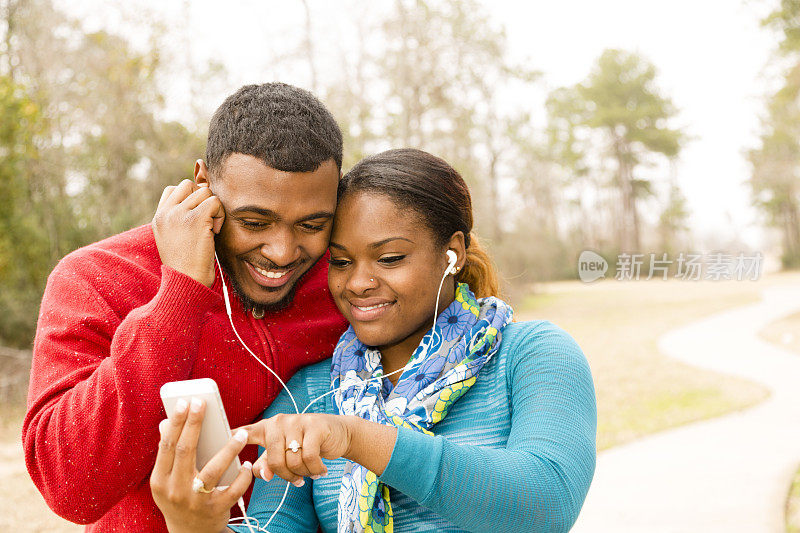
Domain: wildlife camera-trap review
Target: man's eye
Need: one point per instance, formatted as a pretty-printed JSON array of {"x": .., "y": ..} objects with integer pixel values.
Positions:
[
  {"x": 253, "y": 224},
  {"x": 391, "y": 259},
  {"x": 312, "y": 227},
  {"x": 338, "y": 263}
]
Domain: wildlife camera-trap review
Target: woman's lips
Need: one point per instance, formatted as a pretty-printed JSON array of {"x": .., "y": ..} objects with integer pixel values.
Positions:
[
  {"x": 269, "y": 279},
  {"x": 368, "y": 311}
]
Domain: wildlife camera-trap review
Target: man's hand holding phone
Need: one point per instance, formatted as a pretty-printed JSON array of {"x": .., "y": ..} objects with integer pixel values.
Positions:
[{"x": 186, "y": 220}]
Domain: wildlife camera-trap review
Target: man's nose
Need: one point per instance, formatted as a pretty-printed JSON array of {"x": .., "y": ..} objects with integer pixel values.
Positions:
[{"x": 281, "y": 248}]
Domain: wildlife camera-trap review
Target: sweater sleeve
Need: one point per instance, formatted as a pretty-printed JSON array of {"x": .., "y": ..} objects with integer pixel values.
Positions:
[
  {"x": 539, "y": 481},
  {"x": 91, "y": 430},
  {"x": 297, "y": 514}
]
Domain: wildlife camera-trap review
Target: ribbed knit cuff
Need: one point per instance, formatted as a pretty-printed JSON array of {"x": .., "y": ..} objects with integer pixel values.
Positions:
[
  {"x": 181, "y": 298},
  {"x": 414, "y": 464}
]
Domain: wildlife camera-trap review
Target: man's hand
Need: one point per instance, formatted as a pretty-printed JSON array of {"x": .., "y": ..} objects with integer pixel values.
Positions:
[
  {"x": 186, "y": 220},
  {"x": 171, "y": 481}
]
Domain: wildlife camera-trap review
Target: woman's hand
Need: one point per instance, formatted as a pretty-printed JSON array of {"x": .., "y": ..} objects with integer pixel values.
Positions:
[
  {"x": 174, "y": 472},
  {"x": 317, "y": 436}
]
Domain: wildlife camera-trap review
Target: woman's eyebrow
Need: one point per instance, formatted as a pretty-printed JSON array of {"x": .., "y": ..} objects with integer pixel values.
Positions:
[
  {"x": 390, "y": 239},
  {"x": 373, "y": 245}
]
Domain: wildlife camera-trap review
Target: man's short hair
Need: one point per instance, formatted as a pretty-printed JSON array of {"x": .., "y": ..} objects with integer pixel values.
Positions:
[{"x": 284, "y": 126}]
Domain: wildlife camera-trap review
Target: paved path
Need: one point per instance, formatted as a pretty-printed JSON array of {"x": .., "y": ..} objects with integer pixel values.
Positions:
[{"x": 728, "y": 474}]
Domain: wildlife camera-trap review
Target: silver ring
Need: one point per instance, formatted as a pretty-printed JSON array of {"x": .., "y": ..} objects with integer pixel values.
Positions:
[
  {"x": 200, "y": 487},
  {"x": 294, "y": 446}
]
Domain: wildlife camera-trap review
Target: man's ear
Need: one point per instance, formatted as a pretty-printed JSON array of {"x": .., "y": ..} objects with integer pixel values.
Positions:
[{"x": 200, "y": 172}]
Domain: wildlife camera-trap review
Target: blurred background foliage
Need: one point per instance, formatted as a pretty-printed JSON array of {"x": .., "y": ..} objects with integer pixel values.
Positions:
[{"x": 85, "y": 151}]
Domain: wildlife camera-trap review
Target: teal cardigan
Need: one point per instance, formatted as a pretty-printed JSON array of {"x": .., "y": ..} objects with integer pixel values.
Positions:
[{"x": 515, "y": 453}]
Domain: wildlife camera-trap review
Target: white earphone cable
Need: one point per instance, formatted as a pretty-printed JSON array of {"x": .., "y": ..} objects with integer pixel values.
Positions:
[{"x": 246, "y": 519}]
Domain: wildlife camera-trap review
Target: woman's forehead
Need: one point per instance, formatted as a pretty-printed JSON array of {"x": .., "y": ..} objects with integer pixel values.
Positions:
[{"x": 367, "y": 218}]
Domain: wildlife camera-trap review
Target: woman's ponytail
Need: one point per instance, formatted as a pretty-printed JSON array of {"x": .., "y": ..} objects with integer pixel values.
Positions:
[{"x": 479, "y": 271}]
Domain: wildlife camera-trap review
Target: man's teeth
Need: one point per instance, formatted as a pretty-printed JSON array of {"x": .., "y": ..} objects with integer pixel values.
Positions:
[
  {"x": 269, "y": 273},
  {"x": 373, "y": 306}
]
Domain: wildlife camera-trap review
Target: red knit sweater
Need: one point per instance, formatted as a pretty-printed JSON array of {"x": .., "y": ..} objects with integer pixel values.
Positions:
[{"x": 115, "y": 324}]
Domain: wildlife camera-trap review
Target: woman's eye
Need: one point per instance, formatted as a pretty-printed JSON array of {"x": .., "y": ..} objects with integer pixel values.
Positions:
[
  {"x": 338, "y": 263},
  {"x": 390, "y": 259}
]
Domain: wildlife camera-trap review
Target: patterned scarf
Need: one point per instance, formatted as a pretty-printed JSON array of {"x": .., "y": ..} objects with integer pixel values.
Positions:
[{"x": 442, "y": 368}]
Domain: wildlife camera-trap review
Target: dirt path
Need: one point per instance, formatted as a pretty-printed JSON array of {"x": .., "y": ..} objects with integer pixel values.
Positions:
[
  {"x": 21, "y": 506},
  {"x": 727, "y": 474}
]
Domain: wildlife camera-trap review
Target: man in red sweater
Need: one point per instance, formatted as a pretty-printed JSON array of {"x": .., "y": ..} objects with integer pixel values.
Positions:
[{"x": 125, "y": 315}]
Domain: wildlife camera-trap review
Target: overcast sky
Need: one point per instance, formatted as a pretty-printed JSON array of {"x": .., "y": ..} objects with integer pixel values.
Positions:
[{"x": 711, "y": 56}]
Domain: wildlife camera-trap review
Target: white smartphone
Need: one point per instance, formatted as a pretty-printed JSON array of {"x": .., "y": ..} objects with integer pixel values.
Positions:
[{"x": 215, "y": 431}]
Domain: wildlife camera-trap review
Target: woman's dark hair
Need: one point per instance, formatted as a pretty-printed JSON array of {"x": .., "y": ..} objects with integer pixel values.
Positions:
[{"x": 417, "y": 180}]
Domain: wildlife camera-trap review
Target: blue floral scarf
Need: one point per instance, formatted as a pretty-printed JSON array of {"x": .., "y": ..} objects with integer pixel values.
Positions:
[{"x": 442, "y": 368}]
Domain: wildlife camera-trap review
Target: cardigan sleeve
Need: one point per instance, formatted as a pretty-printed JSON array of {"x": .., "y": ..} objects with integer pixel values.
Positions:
[
  {"x": 297, "y": 514},
  {"x": 539, "y": 481},
  {"x": 91, "y": 429}
]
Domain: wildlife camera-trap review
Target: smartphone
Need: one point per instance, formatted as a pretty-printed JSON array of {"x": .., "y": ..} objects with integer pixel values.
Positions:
[{"x": 215, "y": 432}]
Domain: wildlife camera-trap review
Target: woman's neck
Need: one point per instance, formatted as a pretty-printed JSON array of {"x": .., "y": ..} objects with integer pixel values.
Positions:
[{"x": 395, "y": 356}]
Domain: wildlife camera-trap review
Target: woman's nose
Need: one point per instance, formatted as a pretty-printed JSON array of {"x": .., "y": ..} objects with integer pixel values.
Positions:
[{"x": 361, "y": 280}]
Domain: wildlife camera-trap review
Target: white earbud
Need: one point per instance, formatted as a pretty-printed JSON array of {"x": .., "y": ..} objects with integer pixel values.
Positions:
[
  {"x": 452, "y": 259},
  {"x": 451, "y": 262}
]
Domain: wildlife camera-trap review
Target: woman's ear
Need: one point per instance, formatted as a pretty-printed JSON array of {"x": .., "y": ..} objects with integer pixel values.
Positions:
[
  {"x": 457, "y": 244},
  {"x": 200, "y": 172}
]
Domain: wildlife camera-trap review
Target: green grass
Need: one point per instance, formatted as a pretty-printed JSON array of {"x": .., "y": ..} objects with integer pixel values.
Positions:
[
  {"x": 22, "y": 508},
  {"x": 639, "y": 390},
  {"x": 793, "y": 505},
  {"x": 785, "y": 332}
]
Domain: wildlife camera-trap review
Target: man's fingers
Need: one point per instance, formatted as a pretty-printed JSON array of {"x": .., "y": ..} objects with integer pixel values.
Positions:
[
  {"x": 164, "y": 195},
  {"x": 219, "y": 219},
  {"x": 169, "y": 438},
  {"x": 212, "y": 208},
  {"x": 175, "y": 194},
  {"x": 216, "y": 467},
  {"x": 183, "y": 468},
  {"x": 196, "y": 198}
]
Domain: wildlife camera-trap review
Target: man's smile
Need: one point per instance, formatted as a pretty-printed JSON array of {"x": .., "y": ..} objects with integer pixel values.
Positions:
[{"x": 271, "y": 278}]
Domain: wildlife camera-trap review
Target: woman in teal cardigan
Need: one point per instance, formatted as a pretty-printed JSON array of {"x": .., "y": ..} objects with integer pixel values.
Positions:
[{"x": 476, "y": 424}]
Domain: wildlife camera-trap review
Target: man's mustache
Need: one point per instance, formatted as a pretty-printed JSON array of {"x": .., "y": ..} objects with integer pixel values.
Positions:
[{"x": 269, "y": 265}]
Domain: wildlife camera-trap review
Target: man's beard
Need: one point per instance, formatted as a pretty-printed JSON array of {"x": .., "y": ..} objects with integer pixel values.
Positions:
[{"x": 248, "y": 303}]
